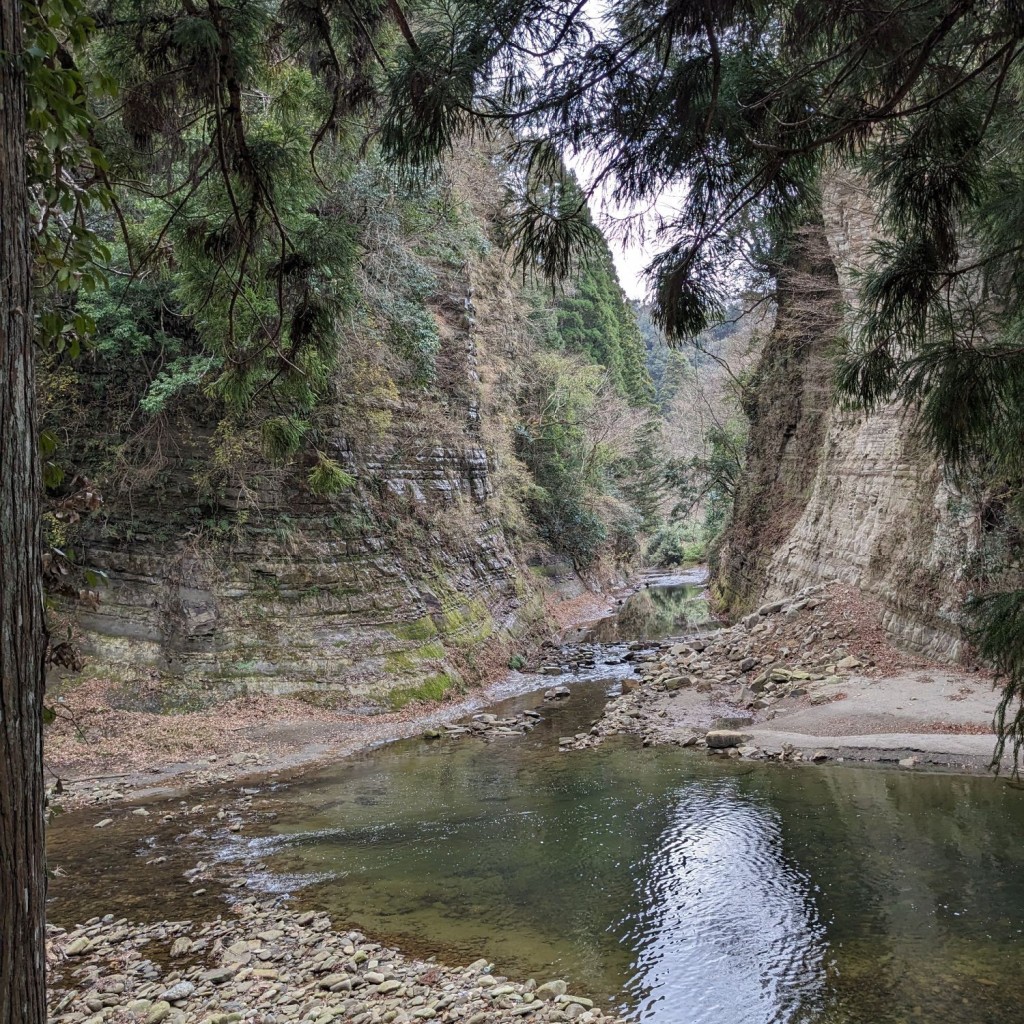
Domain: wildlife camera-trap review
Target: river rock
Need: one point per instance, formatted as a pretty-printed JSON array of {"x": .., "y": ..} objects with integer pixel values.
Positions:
[
  {"x": 158, "y": 1012},
  {"x": 180, "y": 990},
  {"x": 721, "y": 739},
  {"x": 551, "y": 990},
  {"x": 218, "y": 975},
  {"x": 576, "y": 1000}
]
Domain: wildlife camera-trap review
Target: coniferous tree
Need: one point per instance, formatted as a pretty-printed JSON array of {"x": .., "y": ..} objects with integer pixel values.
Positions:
[{"x": 741, "y": 107}]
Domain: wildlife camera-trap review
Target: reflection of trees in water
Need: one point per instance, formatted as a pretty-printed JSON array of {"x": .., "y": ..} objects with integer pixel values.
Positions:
[
  {"x": 654, "y": 612},
  {"x": 919, "y": 881}
]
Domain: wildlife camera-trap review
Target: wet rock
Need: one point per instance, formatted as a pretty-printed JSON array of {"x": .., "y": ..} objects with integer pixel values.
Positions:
[
  {"x": 551, "y": 989},
  {"x": 721, "y": 739}
]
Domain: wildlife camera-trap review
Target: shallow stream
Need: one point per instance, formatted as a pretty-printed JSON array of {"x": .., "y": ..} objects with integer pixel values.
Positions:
[{"x": 674, "y": 888}]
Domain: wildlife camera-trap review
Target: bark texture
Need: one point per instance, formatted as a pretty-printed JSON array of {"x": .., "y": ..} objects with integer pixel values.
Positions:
[{"x": 22, "y": 632}]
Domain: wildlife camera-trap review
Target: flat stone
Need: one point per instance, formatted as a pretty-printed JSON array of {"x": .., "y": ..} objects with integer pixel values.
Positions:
[
  {"x": 576, "y": 1001},
  {"x": 218, "y": 975}
]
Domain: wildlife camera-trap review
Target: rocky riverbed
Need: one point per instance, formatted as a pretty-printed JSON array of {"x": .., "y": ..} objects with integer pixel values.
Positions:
[
  {"x": 812, "y": 677},
  {"x": 269, "y": 965}
]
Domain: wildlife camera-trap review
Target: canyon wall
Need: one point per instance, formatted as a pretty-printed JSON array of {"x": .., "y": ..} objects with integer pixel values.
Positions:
[
  {"x": 219, "y": 572},
  {"x": 863, "y": 502}
]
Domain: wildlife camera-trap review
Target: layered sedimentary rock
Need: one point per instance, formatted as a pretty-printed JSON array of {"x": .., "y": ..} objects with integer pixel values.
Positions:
[
  {"x": 218, "y": 581},
  {"x": 864, "y": 502}
]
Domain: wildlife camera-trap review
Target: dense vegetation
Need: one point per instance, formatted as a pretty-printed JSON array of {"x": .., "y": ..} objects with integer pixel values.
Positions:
[{"x": 210, "y": 189}]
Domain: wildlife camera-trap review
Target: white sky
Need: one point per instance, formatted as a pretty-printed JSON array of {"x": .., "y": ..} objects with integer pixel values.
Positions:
[{"x": 632, "y": 249}]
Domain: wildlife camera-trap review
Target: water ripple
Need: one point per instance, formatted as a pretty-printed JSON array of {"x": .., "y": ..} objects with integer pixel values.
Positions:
[{"x": 725, "y": 928}]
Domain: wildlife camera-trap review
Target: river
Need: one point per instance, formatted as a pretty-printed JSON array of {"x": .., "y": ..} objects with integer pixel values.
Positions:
[{"x": 669, "y": 886}]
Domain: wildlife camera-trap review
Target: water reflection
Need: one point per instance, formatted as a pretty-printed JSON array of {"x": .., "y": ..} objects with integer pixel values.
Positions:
[
  {"x": 677, "y": 888},
  {"x": 678, "y": 604},
  {"x": 727, "y": 928}
]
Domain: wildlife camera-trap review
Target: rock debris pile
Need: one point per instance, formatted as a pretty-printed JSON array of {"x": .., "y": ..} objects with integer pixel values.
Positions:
[
  {"x": 487, "y": 725},
  {"x": 269, "y": 965},
  {"x": 787, "y": 653}
]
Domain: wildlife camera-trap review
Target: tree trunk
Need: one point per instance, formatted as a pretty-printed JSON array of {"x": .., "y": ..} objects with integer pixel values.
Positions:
[{"x": 22, "y": 631}]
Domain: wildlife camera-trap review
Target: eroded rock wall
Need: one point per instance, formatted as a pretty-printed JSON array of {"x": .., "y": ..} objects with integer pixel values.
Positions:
[
  {"x": 403, "y": 585},
  {"x": 876, "y": 511}
]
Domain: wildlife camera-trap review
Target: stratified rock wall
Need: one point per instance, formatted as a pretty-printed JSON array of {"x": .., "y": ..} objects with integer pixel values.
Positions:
[
  {"x": 787, "y": 403},
  {"x": 402, "y": 585},
  {"x": 877, "y": 513}
]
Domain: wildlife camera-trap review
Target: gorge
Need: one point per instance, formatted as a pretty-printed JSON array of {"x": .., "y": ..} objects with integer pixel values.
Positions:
[{"x": 401, "y": 621}]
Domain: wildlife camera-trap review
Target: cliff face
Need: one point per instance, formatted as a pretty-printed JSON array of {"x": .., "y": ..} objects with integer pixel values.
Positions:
[
  {"x": 224, "y": 573},
  {"x": 868, "y": 506},
  {"x": 787, "y": 402}
]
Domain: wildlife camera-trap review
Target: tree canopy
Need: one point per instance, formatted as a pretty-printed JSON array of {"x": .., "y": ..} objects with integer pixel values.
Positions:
[{"x": 220, "y": 136}]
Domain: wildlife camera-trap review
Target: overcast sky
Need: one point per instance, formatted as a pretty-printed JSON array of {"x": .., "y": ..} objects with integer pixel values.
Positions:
[{"x": 633, "y": 246}]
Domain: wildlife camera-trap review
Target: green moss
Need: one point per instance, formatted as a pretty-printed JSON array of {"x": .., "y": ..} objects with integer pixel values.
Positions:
[
  {"x": 411, "y": 660},
  {"x": 422, "y": 628},
  {"x": 432, "y": 688},
  {"x": 468, "y": 625}
]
